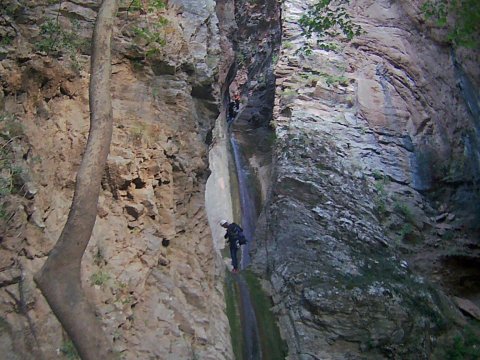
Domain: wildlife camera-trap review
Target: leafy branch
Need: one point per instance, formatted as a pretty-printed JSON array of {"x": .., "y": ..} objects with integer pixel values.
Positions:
[
  {"x": 146, "y": 6},
  {"x": 461, "y": 16},
  {"x": 152, "y": 31},
  {"x": 328, "y": 19}
]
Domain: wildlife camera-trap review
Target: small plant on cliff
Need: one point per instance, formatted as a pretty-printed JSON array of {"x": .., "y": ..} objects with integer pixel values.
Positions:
[
  {"x": 405, "y": 211},
  {"x": 460, "y": 17},
  {"x": 68, "y": 349},
  {"x": 406, "y": 231},
  {"x": 151, "y": 32},
  {"x": 56, "y": 41},
  {"x": 465, "y": 346},
  {"x": 241, "y": 59},
  {"x": 99, "y": 278},
  {"x": 381, "y": 197},
  {"x": 155, "y": 5},
  {"x": 328, "y": 19},
  {"x": 335, "y": 80},
  {"x": 274, "y": 59},
  {"x": 288, "y": 93},
  {"x": 6, "y": 40},
  {"x": 137, "y": 132},
  {"x": 153, "y": 36},
  {"x": 146, "y": 6},
  {"x": 10, "y": 131}
]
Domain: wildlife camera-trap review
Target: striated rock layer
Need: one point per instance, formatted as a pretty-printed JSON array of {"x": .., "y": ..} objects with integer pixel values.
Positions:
[
  {"x": 151, "y": 268},
  {"x": 372, "y": 217}
]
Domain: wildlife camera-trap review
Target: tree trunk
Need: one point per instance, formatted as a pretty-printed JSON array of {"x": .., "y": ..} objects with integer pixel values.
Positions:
[{"x": 59, "y": 279}]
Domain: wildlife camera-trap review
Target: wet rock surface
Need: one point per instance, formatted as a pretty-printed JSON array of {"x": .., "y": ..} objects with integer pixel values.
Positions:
[{"x": 360, "y": 218}]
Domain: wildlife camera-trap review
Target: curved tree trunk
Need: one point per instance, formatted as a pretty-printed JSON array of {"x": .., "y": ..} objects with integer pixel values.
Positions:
[{"x": 59, "y": 279}]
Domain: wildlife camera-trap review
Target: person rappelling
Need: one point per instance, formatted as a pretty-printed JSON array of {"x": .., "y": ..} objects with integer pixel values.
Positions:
[{"x": 235, "y": 238}]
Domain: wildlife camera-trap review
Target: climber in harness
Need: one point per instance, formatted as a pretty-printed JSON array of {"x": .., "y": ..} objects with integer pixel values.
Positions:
[
  {"x": 232, "y": 111},
  {"x": 233, "y": 107},
  {"x": 235, "y": 238}
]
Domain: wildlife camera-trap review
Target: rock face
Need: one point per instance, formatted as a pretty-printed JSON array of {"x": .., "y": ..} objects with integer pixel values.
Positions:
[
  {"x": 369, "y": 199},
  {"x": 151, "y": 268},
  {"x": 370, "y": 220}
]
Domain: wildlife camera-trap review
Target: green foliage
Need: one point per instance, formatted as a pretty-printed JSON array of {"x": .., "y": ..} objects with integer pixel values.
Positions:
[
  {"x": 153, "y": 35},
  {"x": 49, "y": 31},
  {"x": 274, "y": 59},
  {"x": 335, "y": 80},
  {"x": 405, "y": 211},
  {"x": 406, "y": 231},
  {"x": 135, "y": 5},
  {"x": 122, "y": 294},
  {"x": 466, "y": 346},
  {"x": 328, "y": 19},
  {"x": 310, "y": 79},
  {"x": 381, "y": 197},
  {"x": 149, "y": 7},
  {"x": 68, "y": 349},
  {"x": 99, "y": 278},
  {"x": 241, "y": 59},
  {"x": 10, "y": 130},
  {"x": 6, "y": 40},
  {"x": 9, "y": 8},
  {"x": 10, "y": 127},
  {"x": 56, "y": 41},
  {"x": 154, "y": 5},
  {"x": 377, "y": 175},
  {"x": 464, "y": 27},
  {"x": 288, "y": 93},
  {"x": 137, "y": 132},
  {"x": 381, "y": 207}
]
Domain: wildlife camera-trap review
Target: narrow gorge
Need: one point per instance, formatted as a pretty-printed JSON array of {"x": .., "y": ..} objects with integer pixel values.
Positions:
[{"x": 354, "y": 172}]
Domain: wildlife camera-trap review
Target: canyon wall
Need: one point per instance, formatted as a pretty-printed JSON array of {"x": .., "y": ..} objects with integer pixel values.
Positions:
[
  {"x": 368, "y": 233},
  {"x": 369, "y": 238},
  {"x": 151, "y": 268}
]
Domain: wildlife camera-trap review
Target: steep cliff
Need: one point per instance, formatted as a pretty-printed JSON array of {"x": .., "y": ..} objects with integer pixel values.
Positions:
[
  {"x": 368, "y": 233},
  {"x": 371, "y": 226},
  {"x": 151, "y": 268}
]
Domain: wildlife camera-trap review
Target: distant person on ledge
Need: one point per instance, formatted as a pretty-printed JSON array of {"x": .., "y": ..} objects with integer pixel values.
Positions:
[{"x": 235, "y": 238}]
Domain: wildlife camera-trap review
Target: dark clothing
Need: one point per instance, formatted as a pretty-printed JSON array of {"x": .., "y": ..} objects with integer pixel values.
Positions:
[
  {"x": 233, "y": 234},
  {"x": 233, "y": 237},
  {"x": 232, "y": 111},
  {"x": 233, "y": 255}
]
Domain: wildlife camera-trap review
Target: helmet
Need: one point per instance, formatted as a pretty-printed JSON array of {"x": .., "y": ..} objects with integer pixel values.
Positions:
[{"x": 223, "y": 222}]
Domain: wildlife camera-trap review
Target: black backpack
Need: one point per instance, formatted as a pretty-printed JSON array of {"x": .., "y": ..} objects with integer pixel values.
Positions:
[{"x": 238, "y": 235}]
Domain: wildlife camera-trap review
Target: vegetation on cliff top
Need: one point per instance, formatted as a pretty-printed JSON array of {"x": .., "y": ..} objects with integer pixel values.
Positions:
[
  {"x": 328, "y": 19},
  {"x": 460, "y": 17}
]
